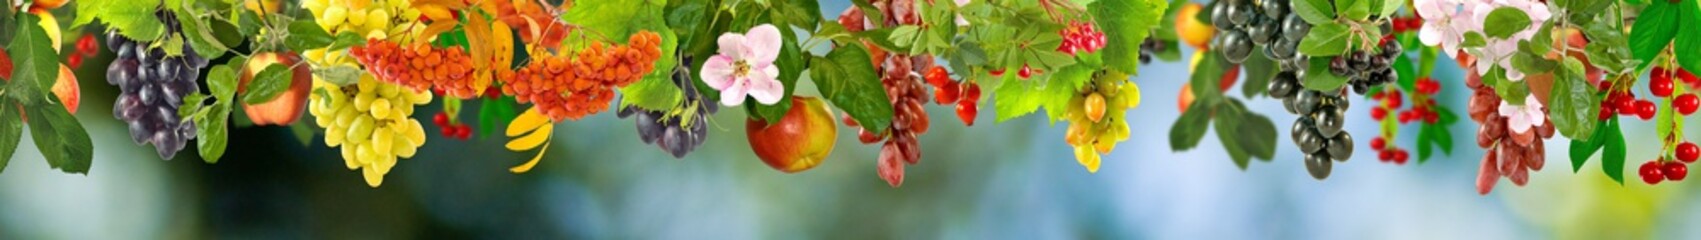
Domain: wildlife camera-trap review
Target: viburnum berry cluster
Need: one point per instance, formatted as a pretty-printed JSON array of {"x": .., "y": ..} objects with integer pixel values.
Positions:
[
  {"x": 419, "y": 66},
  {"x": 1509, "y": 133},
  {"x": 1081, "y": 37},
  {"x": 450, "y": 127},
  {"x": 572, "y": 85},
  {"x": 964, "y": 95}
]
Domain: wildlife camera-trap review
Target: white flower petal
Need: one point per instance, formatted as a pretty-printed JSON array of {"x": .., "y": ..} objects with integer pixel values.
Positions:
[
  {"x": 764, "y": 44},
  {"x": 734, "y": 95},
  {"x": 766, "y": 89},
  {"x": 732, "y": 44},
  {"x": 717, "y": 72}
]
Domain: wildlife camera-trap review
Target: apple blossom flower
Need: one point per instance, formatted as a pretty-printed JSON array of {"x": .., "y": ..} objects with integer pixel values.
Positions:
[
  {"x": 1522, "y": 118},
  {"x": 745, "y": 66}
]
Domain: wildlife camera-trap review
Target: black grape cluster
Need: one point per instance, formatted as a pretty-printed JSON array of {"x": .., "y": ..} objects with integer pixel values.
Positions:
[
  {"x": 153, "y": 86},
  {"x": 1244, "y": 24},
  {"x": 1365, "y": 69},
  {"x": 680, "y": 133},
  {"x": 1318, "y": 130},
  {"x": 1152, "y": 46}
]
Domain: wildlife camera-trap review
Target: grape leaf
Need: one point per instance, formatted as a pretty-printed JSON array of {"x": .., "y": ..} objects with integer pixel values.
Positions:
[
  {"x": 846, "y": 77},
  {"x": 616, "y": 18},
  {"x": 222, "y": 80},
  {"x": 1687, "y": 46},
  {"x": 1505, "y": 22},
  {"x": 347, "y": 39},
  {"x": 653, "y": 94},
  {"x": 1328, "y": 39},
  {"x": 268, "y": 84},
  {"x": 1653, "y": 31},
  {"x": 33, "y": 59},
  {"x": 61, "y": 139},
  {"x": 11, "y": 131},
  {"x": 133, "y": 19},
  {"x": 1126, "y": 24},
  {"x": 306, "y": 35}
]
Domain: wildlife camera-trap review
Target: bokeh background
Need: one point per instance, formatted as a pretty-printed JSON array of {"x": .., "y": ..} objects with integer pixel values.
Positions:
[{"x": 1009, "y": 180}]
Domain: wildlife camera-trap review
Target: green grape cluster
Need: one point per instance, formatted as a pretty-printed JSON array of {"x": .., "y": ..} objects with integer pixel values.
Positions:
[{"x": 370, "y": 122}]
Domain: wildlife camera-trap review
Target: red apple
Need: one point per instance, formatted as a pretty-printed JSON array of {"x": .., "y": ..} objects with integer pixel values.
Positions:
[
  {"x": 799, "y": 141},
  {"x": 286, "y": 108}
]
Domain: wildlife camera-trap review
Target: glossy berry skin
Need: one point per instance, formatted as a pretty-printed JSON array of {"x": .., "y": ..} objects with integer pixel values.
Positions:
[
  {"x": 1652, "y": 173},
  {"x": 1688, "y": 152},
  {"x": 1025, "y": 73},
  {"x": 1378, "y": 143},
  {"x": 1686, "y": 104},
  {"x": 1645, "y": 109},
  {"x": 1660, "y": 86},
  {"x": 967, "y": 113},
  {"x": 937, "y": 76},
  {"x": 1675, "y": 171}
]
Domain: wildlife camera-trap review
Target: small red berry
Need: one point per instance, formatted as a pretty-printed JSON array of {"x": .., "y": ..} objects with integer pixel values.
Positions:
[
  {"x": 997, "y": 72},
  {"x": 1400, "y": 157},
  {"x": 1025, "y": 73},
  {"x": 1687, "y": 103},
  {"x": 441, "y": 119},
  {"x": 971, "y": 93},
  {"x": 448, "y": 132},
  {"x": 1660, "y": 86},
  {"x": 464, "y": 131},
  {"x": 1646, "y": 109},
  {"x": 1378, "y": 113},
  {"x": 1606, "y": 113},
  {"x": 1385, "y": 156},
  {"x": 1688, "y": 152},
  {"x": 1675, "y": 171},
  {"x": 87, "y": 46},
  {"x": 967, "y": 113},
  {"x": 1378, "y": 143},
  {"x": 948, "y": 93},
  {"x": 937, "y": 76},
  {"x": 1651, "y": 173},
  {"x": 1687, "y": 76},
  {"x": 74, "y": 60},
  {"x": 1606, "y": 85}
]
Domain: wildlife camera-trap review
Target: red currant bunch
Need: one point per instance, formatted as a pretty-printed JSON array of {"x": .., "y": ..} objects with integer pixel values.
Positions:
[
  {"x": 964, "y": 95},
  {"x": 86, "y": 47},
  {"x": 1653, "y": 172},
  {"x": 1406, "y": 24},
  {"x": 1079, "y": 37},
  {"x": 1388, "y": 153},
  {"x": 451, "y": 129}
]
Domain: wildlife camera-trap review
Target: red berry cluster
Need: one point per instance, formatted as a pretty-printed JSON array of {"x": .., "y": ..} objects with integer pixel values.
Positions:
[
  {"x": 451, "y": 129},
  {"x": 86, "y": 47},
  {"x": 909, "y": 120},
  {"x": 1081, "y": 36},
  {"x": 965, "y": 95},
  {"x": 1391, "y": 100},
  {"x": 1653, "y": 172},
  {"x": 1624, "y": 102},
  {"x": 1387, "y": 153},
  {"x": 1024, "y": 73},
  {"x": 1406, "y": 24},
  {"x": 419, "y": 66},
  {"x": 575, "y": 85}
]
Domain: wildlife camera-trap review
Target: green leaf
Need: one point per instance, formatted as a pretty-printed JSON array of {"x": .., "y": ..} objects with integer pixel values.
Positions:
[
  {"x": 60, "y": 138},
  {"x": 1126, "y": 24},
  {"x": 1354, "y": 9},
  {"x": 1061, "y": 88},
  {"x": 1315, "y": 12},
  {"x": 1318, "y": 77},
  {"x": 846, "y": 77},
  {"x": 222, "y": 81},
  {"x": 1529, "y": 62},
  {"x": 1581, "y": 149},
  {"x": 1426, "y": 61},
  {"x": 1328, "y": 39},
  {"x": 200, "y": 36},
  {"x": 1687, "y": 46},
  {"x": 872, "y": 14},
  {"x": 306, "y": 35},
  {"x": 1256, "y": 134},
  {"x": 1654, "y": 30},
  {"x": 338, "y": 75},
  {"x": 623, "y": 18},
  {"x": 1612, "y": 159},
  {"x": 345, "y": 40},
  {"x": 1259, "y": 71},
  {"x": 133, "y": 19},
  {"x": 1206, "y": 81},
  {"x": 1474, "y": 39},
  {"x": 905, "y": 36},
  {"x": 1190, "y": 127},
  {"x": 211, "y": 135},
  {"x": 33, "y": 59},
  {"x": 268, "y": 84},
  {"x": 1572, "y": 104},
  {"x": 247, "y": 24},
  {"x": 1407, "y": 75},
  {"x": 1505, "y": 22},
  {"x": 653, "y": 94},
  {"x": 1226, "y": 120},
  {"x": 805, "y": 14},
  {"x": 11, "y": 131}
]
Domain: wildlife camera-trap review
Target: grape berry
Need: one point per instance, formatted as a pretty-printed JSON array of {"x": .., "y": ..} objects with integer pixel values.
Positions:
[
  {"x": 371, "y": 122},
  {"x": 152, "y": 86},
  {"x": 1510, "y": 154}
]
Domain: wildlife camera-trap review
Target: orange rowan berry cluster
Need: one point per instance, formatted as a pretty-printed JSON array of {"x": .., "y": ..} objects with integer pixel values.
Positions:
[
  {"x": 575, "y": 85},
  {"x": 419, "y": 67}
]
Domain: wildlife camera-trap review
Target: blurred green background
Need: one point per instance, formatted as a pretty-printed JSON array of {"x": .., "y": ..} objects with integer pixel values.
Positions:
[{"x": 1010, "y": 180}]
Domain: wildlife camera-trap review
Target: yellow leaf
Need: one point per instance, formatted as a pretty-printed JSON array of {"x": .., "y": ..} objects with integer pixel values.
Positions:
[
  {"x": 526, "y": 167},
  {"x": 437, "y": 28},
  {"x": 526, "y": 122},
  {"x": 438, "y": 13},
  {"x": 447, "y": 4},
  {"x": 502, "y": 41},
  {"x": 531, "y": 141},
  {"x": 478, "y": 35}
]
